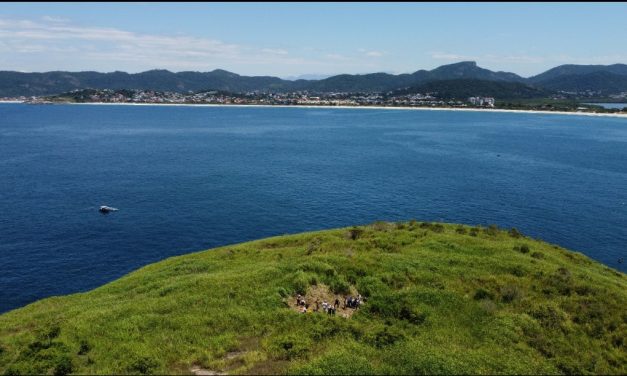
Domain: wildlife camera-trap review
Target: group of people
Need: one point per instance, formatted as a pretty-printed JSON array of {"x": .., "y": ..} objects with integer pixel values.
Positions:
[
  {"x": 328, "y": 308},
  {"x": 351, "y": 302}
]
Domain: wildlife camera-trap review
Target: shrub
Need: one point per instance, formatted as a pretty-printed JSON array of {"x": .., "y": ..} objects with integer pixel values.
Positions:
[
  {"x": 481, "y": 294},
  {"x": 142, "y": 365},
  {"x": 510, "y": 293},
  {"x": 437, "y": 228},
  {"x": 300, "y": 283},
  {"x": 473, "y": 231},
  {"x": 460, "y": 230},
  {"x": 549, "y": 317},
  {"x": 514, "y": 233},
  {"x": 380, "y": 226},
  {"x": 492, "y": 230},
  {"x": 518, "y": 271},
  {"x": 385, "y": 337},
  {"x": 411, "y": 315},
  {"x": 63, "y": 366},
  {"x": 522, "y": 248},
  {"x": 355, "y": 233},
  {"x": 84, "y": 347},
  {"x": 290, "y": 346},
  {"x": 537, "y": 255},
  {"x": 340, "y": 286},
  {"x": 370, "y": 286}
]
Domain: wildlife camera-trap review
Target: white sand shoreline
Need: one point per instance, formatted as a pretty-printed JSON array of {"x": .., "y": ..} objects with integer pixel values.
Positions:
[{"x": 349, "y": 107}]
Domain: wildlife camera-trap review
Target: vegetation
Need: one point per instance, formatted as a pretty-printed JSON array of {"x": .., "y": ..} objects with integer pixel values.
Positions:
[
  {"x": 465, "y": 88},
  {"x": 605, "y": 79},
  {"x": 439, "y": 298}
]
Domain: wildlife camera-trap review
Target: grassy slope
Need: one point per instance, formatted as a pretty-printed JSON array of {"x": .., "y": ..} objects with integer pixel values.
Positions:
[{"x": 439, "y": 301}]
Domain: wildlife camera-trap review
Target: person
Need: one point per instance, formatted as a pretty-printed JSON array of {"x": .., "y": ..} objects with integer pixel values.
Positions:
[
  {"x": 337, "y": 303},
  {"x": 317, "y": 306},
  {"x": 304, "y": 309}
]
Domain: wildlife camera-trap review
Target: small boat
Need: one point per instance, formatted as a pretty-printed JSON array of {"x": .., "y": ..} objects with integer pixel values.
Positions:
[{"x": 106, "y": 209}]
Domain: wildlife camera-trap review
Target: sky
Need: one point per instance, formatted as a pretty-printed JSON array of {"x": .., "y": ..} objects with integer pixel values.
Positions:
[{"x": 293, "y": 39}]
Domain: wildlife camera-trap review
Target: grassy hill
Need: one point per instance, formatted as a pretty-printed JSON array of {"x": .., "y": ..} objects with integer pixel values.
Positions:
[{"x": 440, "y": 298}]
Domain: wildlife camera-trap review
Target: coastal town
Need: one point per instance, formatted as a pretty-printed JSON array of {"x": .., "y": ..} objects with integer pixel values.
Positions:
[
  {"x": 306, "y": 98},
  {"x": 256, "y": 98}
]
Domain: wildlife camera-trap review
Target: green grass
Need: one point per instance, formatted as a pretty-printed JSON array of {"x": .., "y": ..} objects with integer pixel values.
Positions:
[{"x": 441, "y": 298}]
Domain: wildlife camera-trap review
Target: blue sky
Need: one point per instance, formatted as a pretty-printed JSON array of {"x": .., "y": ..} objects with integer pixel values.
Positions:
[{"x": 292, "y": 39}]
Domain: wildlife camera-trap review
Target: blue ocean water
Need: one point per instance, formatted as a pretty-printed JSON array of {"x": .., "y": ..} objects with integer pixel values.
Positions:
[{"x": 191, "y": 178}]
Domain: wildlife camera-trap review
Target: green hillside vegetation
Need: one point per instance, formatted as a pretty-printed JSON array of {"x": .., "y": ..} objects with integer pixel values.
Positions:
[
  {"x": 462, "y": 89},
  {"x": 439, "y": 298}
]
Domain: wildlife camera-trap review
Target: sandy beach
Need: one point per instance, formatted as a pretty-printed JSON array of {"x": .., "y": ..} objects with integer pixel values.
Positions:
[{"x": 623, "y": 115}]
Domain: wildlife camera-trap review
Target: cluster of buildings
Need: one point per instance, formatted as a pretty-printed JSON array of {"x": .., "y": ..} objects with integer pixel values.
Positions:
[
  {"x": 481, "y": 101},
  {"x": 261, "y": 98}
]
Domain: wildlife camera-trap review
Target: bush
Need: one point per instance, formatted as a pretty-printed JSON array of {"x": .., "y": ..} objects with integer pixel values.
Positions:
[
  {"x": 473, "y": 231},
  {"x": 537, "y": 255},
  {"x": 283, "y": 292},
  {"x": 355, "y": 233},
  {"x": 339, "y": 286},
  {"x": 385, "y": 337},
  {"x": 518, "y": 271},
  {"x": 63, "y": 366},
  {"x": 522, "y": 248},
  {"x": 460, "y": 230},
  {"x": 510, "y": 293},
  {"x": 290, "y": 346},
  {"x": 370, "y": 286},
  {"x": 411, "y": 315},
  {"x": 437, "y": 228},
  {"x": 492, "y": 230},
  {"x": 84, "y": 347},
  {"x": 300, "y": 283},
  {"x": 514, "y": 233},
  {"x": 142, "y": 365},
  {"x": 481, "y": 294}
]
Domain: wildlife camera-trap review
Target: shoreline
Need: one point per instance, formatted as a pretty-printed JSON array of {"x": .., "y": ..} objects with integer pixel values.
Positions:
[{"x": 346, "y": 107}]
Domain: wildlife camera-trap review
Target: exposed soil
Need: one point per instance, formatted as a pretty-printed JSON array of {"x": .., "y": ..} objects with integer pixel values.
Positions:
[{"x": 321, "y": 293}]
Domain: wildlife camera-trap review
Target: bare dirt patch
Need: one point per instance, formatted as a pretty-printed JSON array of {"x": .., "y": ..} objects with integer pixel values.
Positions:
[
  {"x": 321, "y": 293},
  {"x": 196, "y": 370}
]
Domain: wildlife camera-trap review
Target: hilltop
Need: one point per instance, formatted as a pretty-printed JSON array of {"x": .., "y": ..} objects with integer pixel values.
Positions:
[{"x": 438, "y": 298}]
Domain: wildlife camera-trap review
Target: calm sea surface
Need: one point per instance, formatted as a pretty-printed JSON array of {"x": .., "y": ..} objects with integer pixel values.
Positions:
[{"x": 191, "y": 178}]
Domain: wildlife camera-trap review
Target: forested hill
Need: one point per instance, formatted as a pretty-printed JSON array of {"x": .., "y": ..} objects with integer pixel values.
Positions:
[{"x": 461, "y": 89}]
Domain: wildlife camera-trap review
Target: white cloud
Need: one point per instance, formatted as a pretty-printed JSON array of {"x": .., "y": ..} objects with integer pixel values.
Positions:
[
  {"x": 55, "y": 19},
  {"x": 375, "y": 53},
  {"x": 275, "y": 51},
  {"x": 53, "y": 43}
]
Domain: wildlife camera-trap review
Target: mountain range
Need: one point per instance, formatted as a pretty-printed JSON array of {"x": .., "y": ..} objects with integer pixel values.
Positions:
[{"x": 604, "y": 79}]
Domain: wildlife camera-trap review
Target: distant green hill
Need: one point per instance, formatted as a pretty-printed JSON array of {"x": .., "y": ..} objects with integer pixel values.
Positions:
[
  {"x": 607, "y": 79},
  {"x": 604, "y": 82},
  {"x": 563, "y": 77},
  {"x": 439, "y": 298},
  {"x": 17, "y": 83},
  {"x": 464, "y": 88}
]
